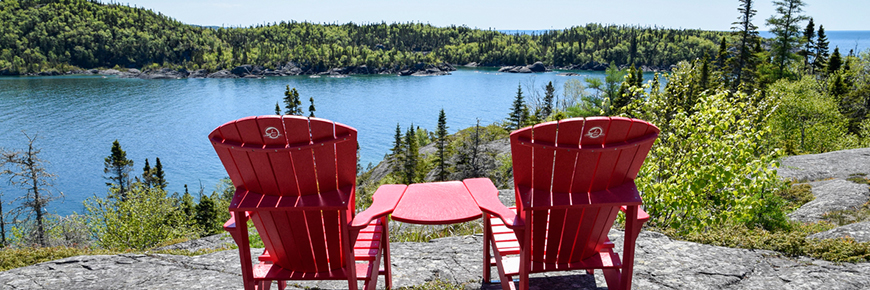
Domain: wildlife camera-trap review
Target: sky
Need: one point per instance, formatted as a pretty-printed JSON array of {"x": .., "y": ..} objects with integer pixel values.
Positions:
[{"x": 501, "y": 14}]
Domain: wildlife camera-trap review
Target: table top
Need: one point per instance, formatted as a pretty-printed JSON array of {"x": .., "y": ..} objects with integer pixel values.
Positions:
[{"x": 436, "y": 203}]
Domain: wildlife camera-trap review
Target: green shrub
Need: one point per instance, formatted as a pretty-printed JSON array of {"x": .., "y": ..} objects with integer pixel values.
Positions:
[
  {"x": 806, "y": 120},
  {"x": 144, "y": 219},
  {"x": 15, "y": 257}
]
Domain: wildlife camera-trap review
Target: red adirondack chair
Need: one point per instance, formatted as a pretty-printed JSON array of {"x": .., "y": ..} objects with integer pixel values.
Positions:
[
  {"x": 295, "y": 179},
  {"x": 571, "y": 178}
]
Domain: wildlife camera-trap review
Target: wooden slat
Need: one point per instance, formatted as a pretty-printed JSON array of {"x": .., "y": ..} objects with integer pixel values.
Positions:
[
  {"x": 282, "y": 164},
  {"x": 539, "y": 233},
  {"x": 584, "y": 233},
  {"x": 303, "y": 161},
  {"x": 542, "y": 162},
  {"x": 324, "y": 156},
  {"x": 221, "y": 133},
  {"x": 346, "y": 156},
  {"x": 522, "y": 162},
  {"x": 299, "y": 234},
  {"x": 555, "y": 228},
  {"x": 570, "y": 132},
  {"x": 317, "y": 238},
  {"x": 332, "y": 230},
  {"x": 569, "y": 235}
]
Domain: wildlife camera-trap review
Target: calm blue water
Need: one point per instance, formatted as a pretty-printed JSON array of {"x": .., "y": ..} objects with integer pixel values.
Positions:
[
  {"x": 77, "y": 118},
  {"x": 857, "y": 40}
]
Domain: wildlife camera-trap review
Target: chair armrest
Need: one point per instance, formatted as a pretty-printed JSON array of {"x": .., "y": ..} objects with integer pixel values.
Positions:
[
  {"x": 642, "y": 216},
  {"x": 384, "y": 201},
  {"x": 486, "y": 196},
  {"x": 230, "y": 225}
]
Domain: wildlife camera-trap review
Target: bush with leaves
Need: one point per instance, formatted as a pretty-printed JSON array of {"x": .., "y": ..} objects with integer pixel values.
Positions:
[
  {"x": 806, "y": 120},
  {"x": 143, "y": 220},
  {"x": 711, "y": 163}
]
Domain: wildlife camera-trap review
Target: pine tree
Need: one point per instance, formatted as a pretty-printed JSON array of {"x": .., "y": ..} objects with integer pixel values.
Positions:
[
  {"x": 186, "y": 204},
  {"x": 820, "y": 58},
  {"x": 747, "y": 33},
  {"x": 722, "y": 56},
  {"x": 785, "y": 27},
  {"x": 311, "y": 108},
  {"x": 292, "y": 102},
  {"x": 398, "y": 151},
  {"x": 158, "y": 177},
  {"x": 411, "y": 151},
  {"x": 118, "y": 167},
  {"x": 705, "y": 72},
  {"x": 549, "y": 94},
  {"x": 147, "y": 174},
  {"x": 206, "y": 216},
  {"x": 835, "y": 62},
  {"x": 809, "y": 39},
  {"x": 441, "y": 144},
  {"x": 277, "y": 109},
  {"x": 517, "y": 117}
]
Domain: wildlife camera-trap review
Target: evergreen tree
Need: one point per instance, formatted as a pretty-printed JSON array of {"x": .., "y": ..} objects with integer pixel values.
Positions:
[
  {"x": 147, "y": 175},
  {"x": 158, "y": 178},
  {"x": 809, "y": 42},
  {"x": 747, "y": 33},
  {"x": 118, "y": 167},
  {"x": 722, "y": 55},
  {"x": 820, "y": 58},
  {"x": 411, "y": 152},
  {"x": 704, "y": 81},
  {"x": 549, "y": 94},
  {"x": 517, "y": 117},
  {"x": 292, "y": 102},
  {"x": 206, "y": 215},
  {"x": 398, "y": 151},
  {"x": 441, "y": 144},
  {"x": 36, "y": 181},
  {"x": 311, "y": 108},
  {"x": 835, "y": 62},
  {"x": 838, "y": 87},
  {"x": 186, "y": 204},
  {"x": 277, "y": 109},
  {"x": 785, "y": 27}
]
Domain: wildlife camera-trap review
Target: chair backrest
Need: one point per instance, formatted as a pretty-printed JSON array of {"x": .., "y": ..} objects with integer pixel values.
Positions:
[
  {"x": 560, "y": 170},
  {"x": 296, "y": 178}
]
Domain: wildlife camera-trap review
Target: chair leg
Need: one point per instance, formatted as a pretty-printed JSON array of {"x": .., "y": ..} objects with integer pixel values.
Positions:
[
  {"x": 240, "y": 235},
  {"x": 632, "y": 229},
  {"x": 282, "y": 285},
  {"x": 507, "y": 282},
  {"x": 612, "y": 277},
  {"x": 385, "y": 236},
  {"x": 487, "y": 264},
  {"x": 264, "y": 285}
]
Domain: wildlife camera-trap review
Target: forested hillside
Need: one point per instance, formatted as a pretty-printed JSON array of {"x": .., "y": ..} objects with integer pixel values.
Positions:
[{"x": 41, "y": 35}]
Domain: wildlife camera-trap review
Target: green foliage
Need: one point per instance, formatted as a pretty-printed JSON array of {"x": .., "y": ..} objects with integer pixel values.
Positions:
[
  {"x": 709, "y": 164},
  {"x": 796, "y": 195},
  {"x": 292, "y": 102},
  {"x": 143, "y": 220},
  {"x": 519, "y": 111},
  {"x": 805, "y": 120},
  {"x": 423, "y": 234},
  {"x": 118, "y": 168},
  {"x": 785, "y": 25},
  {"x": 40, "y": 35},
  {"x": 792, "y": 242},
  {"x": 441, "y": 145},
  {"x": 13, "y": 257}
]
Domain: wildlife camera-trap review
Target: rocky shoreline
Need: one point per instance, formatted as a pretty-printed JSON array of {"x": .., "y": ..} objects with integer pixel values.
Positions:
[
  {"x": 293, "y": 69},
  {"x": 258, "y": 71}
]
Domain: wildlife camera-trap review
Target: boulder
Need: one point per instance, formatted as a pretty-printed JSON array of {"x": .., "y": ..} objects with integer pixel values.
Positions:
[
  {"x": 242, "y": 70},
  {"x": 200, "y": 73},
  {"x": 837, "y": 164},
  {"x": 109, "y": 72},
  {"x": 859, "y": 231},
  {"x": 537, "y": 67},
  {"x": 832, "y": 195},
  {"x": 222, "y": 74}
]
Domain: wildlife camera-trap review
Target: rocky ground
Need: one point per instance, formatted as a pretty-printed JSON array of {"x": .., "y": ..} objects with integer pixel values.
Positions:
[{"x": 661, "y": 262}]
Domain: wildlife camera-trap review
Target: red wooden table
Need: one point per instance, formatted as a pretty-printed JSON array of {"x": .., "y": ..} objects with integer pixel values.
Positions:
[{"x": 435, "y": 202}]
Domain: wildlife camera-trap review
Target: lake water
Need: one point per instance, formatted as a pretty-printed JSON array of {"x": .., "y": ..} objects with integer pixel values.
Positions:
[{"x": 78, "y": 117}]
